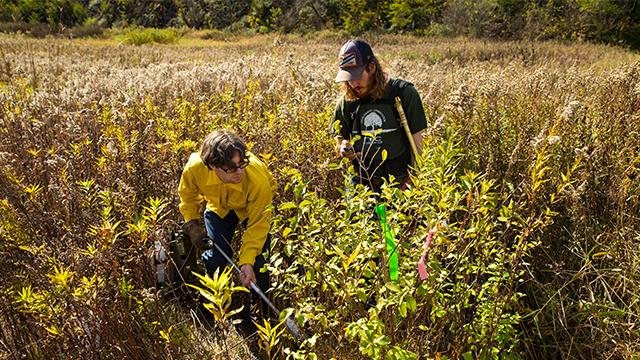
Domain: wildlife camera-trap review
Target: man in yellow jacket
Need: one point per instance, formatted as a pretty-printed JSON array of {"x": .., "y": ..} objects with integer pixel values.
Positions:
[{"x": 237, "y": 187}]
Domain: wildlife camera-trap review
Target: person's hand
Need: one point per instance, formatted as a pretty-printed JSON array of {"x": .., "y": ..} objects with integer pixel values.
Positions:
[
  {"x": 247, "y": 276},
  {"x": 196, "y": 233},
  {"x": 345, "y": 150}
]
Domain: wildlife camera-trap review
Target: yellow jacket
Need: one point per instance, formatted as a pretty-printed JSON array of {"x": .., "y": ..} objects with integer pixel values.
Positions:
[{"x": 250, "y": 199}]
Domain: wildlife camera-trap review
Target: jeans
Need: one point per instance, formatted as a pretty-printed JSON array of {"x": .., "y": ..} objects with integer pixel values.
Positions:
[{"x": 221, "y": 231}]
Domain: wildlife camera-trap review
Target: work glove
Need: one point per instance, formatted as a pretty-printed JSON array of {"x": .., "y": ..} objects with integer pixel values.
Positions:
[
  {"x": 345, "y": 149},
  {"x": 247, "y": 276},
  {"x": 196, "y": 233}
]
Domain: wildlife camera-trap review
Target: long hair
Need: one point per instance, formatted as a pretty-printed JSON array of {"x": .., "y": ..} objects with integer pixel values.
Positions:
[{"x": 380, "y": 79}]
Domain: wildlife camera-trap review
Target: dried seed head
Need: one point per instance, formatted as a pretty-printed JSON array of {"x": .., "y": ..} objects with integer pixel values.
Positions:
[
  {"x": 582, "y": 152},
  {"x": 571, "y": 111},
  {"x": 552, "y": 140},
  {"x": 537, "y": 141},
  {"x": 460, "y": 100},
  {"x": 438, "y": 126}
]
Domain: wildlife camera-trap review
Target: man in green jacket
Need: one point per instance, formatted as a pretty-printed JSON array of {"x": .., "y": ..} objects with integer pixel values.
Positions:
[
  {"x": 366, "y": 112},
  {"x": 237, "y": 187}
]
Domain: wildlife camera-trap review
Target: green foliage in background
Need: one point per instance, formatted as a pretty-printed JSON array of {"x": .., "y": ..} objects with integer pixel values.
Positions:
[
  {"x": 211, "y": 14},
  {"x": 609, "y": 21},
  {"x": 53, "y": 12},
  {"x": 414, "y": 14}
]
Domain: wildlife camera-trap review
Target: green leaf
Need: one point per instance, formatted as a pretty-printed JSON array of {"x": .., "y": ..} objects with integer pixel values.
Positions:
[
  {"x": 402, "y": 309},
  {"x": 287, "y": 205},
  {"x": 382, "y": 340},
  {"x": 411, "y": 303},
  {"x": 393, "y": 287}
]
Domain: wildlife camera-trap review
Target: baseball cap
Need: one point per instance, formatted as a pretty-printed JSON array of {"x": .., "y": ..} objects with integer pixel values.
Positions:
[{"x": 354, "y": 57}]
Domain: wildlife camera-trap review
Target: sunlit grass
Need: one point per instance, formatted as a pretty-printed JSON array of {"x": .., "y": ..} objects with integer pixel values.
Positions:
[{"x": 540, "y": 204}]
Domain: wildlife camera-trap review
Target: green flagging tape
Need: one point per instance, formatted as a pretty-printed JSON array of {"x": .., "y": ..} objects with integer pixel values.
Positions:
[{"x": 391, "y": 245}]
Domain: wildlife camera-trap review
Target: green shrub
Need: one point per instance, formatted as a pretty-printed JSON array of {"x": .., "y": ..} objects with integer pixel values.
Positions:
[
  {"x": 214, "y": 34},
  {"x": 149, "y": 36},
  {"x": 330, "y": 261},
  {"x": 91, "y": 27}
]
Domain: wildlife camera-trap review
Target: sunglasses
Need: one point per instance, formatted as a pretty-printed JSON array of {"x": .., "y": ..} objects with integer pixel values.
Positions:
[{"x": 243, "y": 164}]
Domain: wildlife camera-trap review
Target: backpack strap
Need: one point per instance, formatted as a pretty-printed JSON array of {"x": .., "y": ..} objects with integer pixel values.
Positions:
[{"x": 397, "y": 85}]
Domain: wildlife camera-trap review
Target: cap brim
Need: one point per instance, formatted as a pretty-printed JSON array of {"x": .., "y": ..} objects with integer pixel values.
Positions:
[{"x": 349, "y": 74}]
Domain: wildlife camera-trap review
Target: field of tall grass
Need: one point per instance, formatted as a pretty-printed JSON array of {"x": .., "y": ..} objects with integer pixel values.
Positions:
[{"x": 529, "y": 186}]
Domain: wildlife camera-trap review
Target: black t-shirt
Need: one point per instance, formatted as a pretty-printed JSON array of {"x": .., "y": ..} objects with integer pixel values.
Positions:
[{"x": 377, "y": 124}]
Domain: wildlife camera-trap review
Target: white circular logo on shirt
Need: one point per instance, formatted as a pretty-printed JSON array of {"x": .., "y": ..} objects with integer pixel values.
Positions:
[{"x": 372, "y": 120}]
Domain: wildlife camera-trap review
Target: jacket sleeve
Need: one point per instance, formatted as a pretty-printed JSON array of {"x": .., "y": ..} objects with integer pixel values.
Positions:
[
  {"x": 259, "y": 211},
  {"x": 190, "y": 196}
]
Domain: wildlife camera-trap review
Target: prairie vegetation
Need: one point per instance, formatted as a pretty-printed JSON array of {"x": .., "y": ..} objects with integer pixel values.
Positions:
[{"x": 530, "y": 178}]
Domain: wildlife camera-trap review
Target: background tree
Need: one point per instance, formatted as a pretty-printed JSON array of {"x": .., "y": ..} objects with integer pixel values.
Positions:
[
  {"x": 53, "y": 12},
  {"x": 364, "y": 15},
  {"x": 610, "y": 21},
  {"x": 211, "y": 14}
]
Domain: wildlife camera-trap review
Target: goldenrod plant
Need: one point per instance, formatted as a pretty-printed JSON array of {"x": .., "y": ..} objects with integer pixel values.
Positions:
[
  {"x": 270, "y": 337},
  {"x": 218, "y": 291}
]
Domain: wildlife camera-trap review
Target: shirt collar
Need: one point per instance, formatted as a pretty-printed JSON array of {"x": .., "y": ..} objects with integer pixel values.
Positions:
[{"x": 214, "y": 179}]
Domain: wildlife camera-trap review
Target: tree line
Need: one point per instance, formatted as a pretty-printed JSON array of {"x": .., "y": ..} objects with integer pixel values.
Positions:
[{"x": 610, "y": 21}]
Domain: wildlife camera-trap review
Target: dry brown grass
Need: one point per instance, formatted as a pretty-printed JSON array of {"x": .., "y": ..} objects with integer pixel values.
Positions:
[{"x": 127, "y": 118}]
